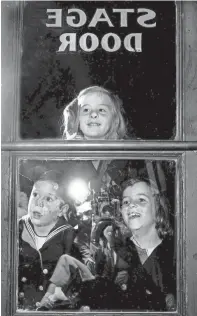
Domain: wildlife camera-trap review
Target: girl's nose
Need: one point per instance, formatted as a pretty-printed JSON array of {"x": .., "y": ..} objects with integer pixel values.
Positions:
[
  {"x": 132, "y": 204},
  {"x": 93, "y": 114}
]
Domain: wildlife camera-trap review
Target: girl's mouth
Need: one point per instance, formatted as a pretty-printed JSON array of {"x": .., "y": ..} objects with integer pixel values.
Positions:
[
  {"x": 93, "y": 124},
  {"x": 134, "y": 215}
]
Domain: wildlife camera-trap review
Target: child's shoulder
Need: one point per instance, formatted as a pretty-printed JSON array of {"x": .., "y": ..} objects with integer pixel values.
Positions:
[
  {"x": 24, "y": 219},
  {"x": 63, "y": 223}
]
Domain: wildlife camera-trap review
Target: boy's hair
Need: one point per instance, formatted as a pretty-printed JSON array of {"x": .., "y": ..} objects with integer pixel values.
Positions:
[
  {"x": 162, "y": 225},
  {"x": 71, "y": 115},
  {"x": 57, "y": 178}
]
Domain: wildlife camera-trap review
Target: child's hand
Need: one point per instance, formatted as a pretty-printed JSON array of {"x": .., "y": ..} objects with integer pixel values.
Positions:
[
  {"x": 108, "y": 233},
  {"x": 91, "y": 265},
  {"x": 170, "y": 302},
  {"x": 84, "y": 309},
  {"x": 122, "y": 279}
]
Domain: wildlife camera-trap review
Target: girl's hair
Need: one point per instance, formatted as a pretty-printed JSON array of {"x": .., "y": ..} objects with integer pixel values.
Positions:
[
  {"x": 71, "y": 115},
  {"x": 162, "y": 222}
]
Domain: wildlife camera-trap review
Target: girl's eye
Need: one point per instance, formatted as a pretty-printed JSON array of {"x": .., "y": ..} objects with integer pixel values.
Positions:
[
  {"x": 125, "y": 202},
  {"x": 102, "y": 110},
  {"x": 85, "y": 110},
  {"x": 141, "y": 200},
  {"x": 35, "y": 194}
]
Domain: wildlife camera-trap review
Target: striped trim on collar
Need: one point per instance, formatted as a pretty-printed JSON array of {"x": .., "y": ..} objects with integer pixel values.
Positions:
[
  {"x": 57, "y": 231},
  {"x": 29, "y": 228},
  {"x": 52, "y": 234}
]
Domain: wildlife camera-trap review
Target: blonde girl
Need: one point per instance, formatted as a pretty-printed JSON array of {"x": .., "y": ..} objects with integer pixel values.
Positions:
[{"x": 95, "y": 114}]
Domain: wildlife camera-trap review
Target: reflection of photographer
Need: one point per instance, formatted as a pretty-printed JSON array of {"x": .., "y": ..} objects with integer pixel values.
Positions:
[
  {"x": 83, "y": 230},
  {"x": 106, "y": 237},
  {"x": 107, "y": 212}
]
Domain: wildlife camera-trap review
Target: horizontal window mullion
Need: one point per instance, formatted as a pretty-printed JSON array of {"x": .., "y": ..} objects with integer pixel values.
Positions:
[{"x": 54, "y": 145}]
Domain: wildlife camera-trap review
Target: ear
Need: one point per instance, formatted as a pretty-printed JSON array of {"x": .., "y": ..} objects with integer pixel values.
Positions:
[{"x": 64, "y": 211}]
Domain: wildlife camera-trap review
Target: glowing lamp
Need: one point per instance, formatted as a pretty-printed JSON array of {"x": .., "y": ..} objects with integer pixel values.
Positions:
[{"x": 78, "y": 190}]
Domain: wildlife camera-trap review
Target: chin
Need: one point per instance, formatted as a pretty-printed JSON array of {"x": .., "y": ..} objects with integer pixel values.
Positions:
[
  {"x": 94, "y": 134},
  {"x": 134, "y": 226},
  {"x": 97, "y": 137},
  {"x": 36, "y": 222}
]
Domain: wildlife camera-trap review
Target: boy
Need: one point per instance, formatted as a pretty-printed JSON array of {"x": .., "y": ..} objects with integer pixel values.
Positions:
[{"x": 44, "y": 235}]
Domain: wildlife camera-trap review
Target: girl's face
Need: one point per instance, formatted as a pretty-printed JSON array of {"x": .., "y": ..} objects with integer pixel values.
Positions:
[
  {"x": 96, "y": 115},
  {"x": 138, "y": 206},
  {"x": 44, "y": 204}
]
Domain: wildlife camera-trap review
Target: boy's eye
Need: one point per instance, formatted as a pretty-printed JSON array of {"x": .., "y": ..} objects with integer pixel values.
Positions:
[
  {"x": 142, "y": 200},
  {"x": 48, "y": 199},
  {"x": 35, "y": 194}
]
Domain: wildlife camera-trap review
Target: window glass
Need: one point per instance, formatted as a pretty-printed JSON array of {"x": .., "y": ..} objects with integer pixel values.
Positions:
[
  {"x": 127, "y": 48},
  {"x": 92, "y": 230}
]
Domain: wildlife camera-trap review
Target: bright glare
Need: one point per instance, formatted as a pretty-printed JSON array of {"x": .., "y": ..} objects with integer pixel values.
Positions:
[
  {"x": 78, "y": 190},
  {"x": 83, "y": 207}
]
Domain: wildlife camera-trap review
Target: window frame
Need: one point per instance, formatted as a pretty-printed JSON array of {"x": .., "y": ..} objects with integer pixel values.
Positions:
[
  {"x": 183, "y": 148},
  {"x": 177, "y": 157},
  {"x": 15, "y": 58}
]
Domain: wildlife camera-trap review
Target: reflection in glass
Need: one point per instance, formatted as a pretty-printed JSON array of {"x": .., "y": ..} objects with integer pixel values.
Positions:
[
  {"x": 96, "y": 235},
  {"x": 145, "y": 81}
]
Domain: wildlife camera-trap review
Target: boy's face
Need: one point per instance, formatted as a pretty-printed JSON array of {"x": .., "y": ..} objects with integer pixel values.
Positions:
[
  {"x": 138, "y": 206},
  {"x": 96, "y": 115},
  {"x": 44, "y": 205}
]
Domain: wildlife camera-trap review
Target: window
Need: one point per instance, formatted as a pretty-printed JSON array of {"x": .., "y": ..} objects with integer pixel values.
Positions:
[{"x": 45, "y": 67}]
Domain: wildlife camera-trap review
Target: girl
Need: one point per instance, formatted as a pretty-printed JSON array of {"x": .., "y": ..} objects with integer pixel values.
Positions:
[
  {"x": 149, "y": 253},
  {"x": 95, "y": 114}
]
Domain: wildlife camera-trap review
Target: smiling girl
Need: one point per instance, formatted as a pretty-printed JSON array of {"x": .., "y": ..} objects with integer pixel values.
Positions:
[
  {"x": 149, "y": 253},
  {"x": 95, "y": 114}
]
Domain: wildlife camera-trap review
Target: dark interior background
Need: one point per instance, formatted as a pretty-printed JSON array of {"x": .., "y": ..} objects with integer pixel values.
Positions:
[{"x": 146, "y": 81}]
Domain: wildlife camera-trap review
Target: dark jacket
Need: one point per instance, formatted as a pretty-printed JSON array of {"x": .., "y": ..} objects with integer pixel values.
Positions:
[
  {"x": 150, "y": 282},
  {"x": 36, "y": 266},
  {"x": 144, "y": 287}
]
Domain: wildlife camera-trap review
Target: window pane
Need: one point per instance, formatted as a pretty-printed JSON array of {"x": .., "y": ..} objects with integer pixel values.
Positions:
[
  {"x": 116, "y": 221},
  {"x": 127, "y": 48}
]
